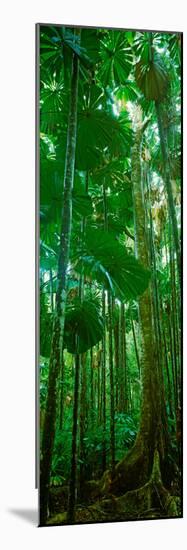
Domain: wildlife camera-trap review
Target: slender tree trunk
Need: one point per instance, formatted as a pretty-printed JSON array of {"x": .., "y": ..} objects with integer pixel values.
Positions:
[
  {"x": 167, "y": 181},
  {"x": 83, "y": 390},
  {"x": 59, "y": 315},
  {"x": 112, "y": 408},
  {"x": 51, "y": 289},
  {"x": 166, "y": 166},
  {"x": 172, "y": 354},
  {"x": 116, "y": 356},
  {"x": 175, "y": 319},
  {"x": 83, "y": 418},
  {"x": 80, "y": 371},
  {"x": 98, "y": 396},
  {"x": 170, "y": 399},
  {"x": 91, "y": 388},
  {"x": 61, "y": 395},
  {"x": 104, "y": 382},
  {"x": 122, "y": 369},
  {"x": 135, "y": 346},
  {"x": 73, "y": 476},
  {"x": 110, "y": 339},
  {"x": 124, "y": 365}
]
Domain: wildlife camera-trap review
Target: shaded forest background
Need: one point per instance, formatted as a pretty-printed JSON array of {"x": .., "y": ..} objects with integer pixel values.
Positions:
[{"x": 110, "y": 275}]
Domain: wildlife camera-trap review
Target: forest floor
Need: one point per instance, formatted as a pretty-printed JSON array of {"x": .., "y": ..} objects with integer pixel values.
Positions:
[
  {"x": 118, "y": 509},
  {"x": 151, "y": 501}
]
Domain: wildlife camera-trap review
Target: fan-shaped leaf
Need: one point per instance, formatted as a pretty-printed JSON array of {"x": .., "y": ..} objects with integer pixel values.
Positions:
[
  {"x": 83, "y": 326},
  {"x": 116, "y": 57},
  {"x": 94, "y": 133},
  {"x": 112, "y": 173},
  {"x": 52, "y": 193},
  {"x": 107, "y": 261},
  {"x": 125, "y": 93},
  {"x": 151, "y": 78}
]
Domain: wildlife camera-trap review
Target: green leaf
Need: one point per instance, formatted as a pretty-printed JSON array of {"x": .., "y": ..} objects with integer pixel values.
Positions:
[
  {"x": 51, "y": 197},
  {"x": 112, "y": 172},
  {"x": 82, "y": 203},
  {"x": 90, "y": 41},
  {"x": 107, "y": 261},
  {"x": 130, "y": 37},
  {"x": 83, "y": 326},
  {"x": 117, "y": 58},
  {"x": 125, "y": 93},
  {"x": 152, "y": 79},
  {"x": 95, "y": 132},
  {"x": 54, "y": 103},
  {"x": 98, "y": 131}
]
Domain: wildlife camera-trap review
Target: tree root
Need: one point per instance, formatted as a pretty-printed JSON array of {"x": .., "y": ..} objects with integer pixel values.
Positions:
[
  {"x": 151, "y": 500},
  {"x": 131, "y": 472}
]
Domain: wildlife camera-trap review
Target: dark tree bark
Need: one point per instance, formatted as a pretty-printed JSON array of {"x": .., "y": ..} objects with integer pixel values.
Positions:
[
  {"x": 91, "y": 388},
  {"x": 169, "y": 386},
  {"x": 83, "y": 418},
  {"x": 104, "y": 382},
  {"x": 80, "y": 369},
  {"x": 116, "y": 358},
  {"x": 51, "y": 289},
  {"x": 59, "y": 314},
  {"x": 112, "y": 407},
  {"x": 61, "y": 412},
  {"x": 110, "y": 344},
  {"x": 73, "y": 475}
]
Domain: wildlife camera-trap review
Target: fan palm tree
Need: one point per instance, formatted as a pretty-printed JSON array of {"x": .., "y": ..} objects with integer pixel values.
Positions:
[
  {"x": 59, "y": 317},
  {"x": 94, "y": 207}
]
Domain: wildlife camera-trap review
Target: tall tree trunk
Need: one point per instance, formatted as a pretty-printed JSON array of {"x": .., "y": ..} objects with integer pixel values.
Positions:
[
  {"x": 61, "y": 408},
  {"x": 73, "y": 476},
  {"x": 172, "y": 354},
  {"x": 112, "y": 407},
  {"x": 116, "y": 357},
  {"x": 150, "y": 410},
  {"x": 83, "y": 418},
  {"x": 98, "y": 395},
  {"x": 121, "y": 365},
  {"x": 104, "y": 383},
  {"x": 135, "y": 345},
  {"x": 167, "y": 181},
  {"x": 110, "y": 344},
  {"x": 135, "y": 468},
  {"x": 59, "y": 315},
  {"x": 51, "y": 289},
  {"x": 170, "y": 399},
  {"x": 124, "y": 365},
  {"x": 91, "y": 388},
  {"x": 175, "y": 320},
  {"x": 157, "y": 315},
  {"x": 80, "y": 368},
  {"x": 166, "y": 166}
]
